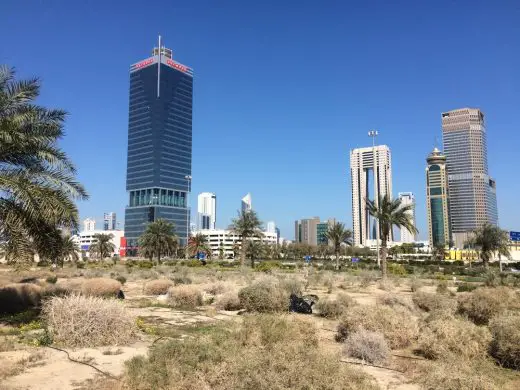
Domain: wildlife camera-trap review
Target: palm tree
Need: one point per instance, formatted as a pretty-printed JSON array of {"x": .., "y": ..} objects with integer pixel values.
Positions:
[
  {"x": 103, "y": 246},
  {"x": 246, "y": 225},
  {"x": 390, "y": 213},
  {"x": 158, "y": 239},
  {"x": 69, "y": 250},
  {"x": 337, "y": 235},
  {"x": 198, "y": 243},
  {"x": 491, "y": 239},
  {"x": 37, "y": 183},
  {"x": 255, "y": 250},
  {"x": 438, "y": 251}
]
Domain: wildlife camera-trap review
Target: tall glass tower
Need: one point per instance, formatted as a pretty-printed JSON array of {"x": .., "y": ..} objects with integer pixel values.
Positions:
[
  {"x": 472, "y": 191},
  {"x": 159, "y": 145}
]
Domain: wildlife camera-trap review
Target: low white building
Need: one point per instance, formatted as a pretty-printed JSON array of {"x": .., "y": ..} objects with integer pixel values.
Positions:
[
  {"x": 86, "y": 238},
  {"x": 227, "y": 239}
]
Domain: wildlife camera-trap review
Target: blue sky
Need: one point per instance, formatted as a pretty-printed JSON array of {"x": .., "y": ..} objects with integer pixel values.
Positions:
[{"x": 283, "y": 91}]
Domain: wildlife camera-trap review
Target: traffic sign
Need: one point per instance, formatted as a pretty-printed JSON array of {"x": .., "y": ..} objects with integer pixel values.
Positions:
[
  {"x": 515, "y": 236},
  {"x": 355, "y": 259},
  {"x": 307, "y": 259}
]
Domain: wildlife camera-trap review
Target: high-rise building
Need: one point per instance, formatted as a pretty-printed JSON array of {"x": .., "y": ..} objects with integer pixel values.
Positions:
[
  {"x": 321, "y": 231},
  {"x": 361, "y": 168},
  {"x": 306, "y": 231},
  {"x": 89, "y": 225},
  {"x": 270, "y": 227},
  {"x": 246, "y": 203},
  {"x": 437, "y": 199},
  {"x": 207, "y": 210},
  {"x": 472, "y": 191},
  {"x": 407, "y": 198},
  {"x": 109, "y": 221},
  {"x": 159, "y": 144}
]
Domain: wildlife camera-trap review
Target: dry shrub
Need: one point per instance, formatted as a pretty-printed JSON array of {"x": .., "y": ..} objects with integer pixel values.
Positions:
[
  {"x": 367, "y": 278},
  {"x": 505, "y": 346},
  {"x": 217, "y": 288},
  {"x": 416, "y": 284},
  {"x": 249, "y": 355},
  {"x": 157, "y": 286},
  {"x": 334, "y": 308},
  {"x": 431, "y": 302},
  {"x": 484, "y": 303},
  {"x": 292, "y": 285},
  {"x": 397, "y": 325},
  {"x": 393, "y": 300},
  {"x": 73, "y": 285},
  {"x": 264, "y": 295},
  {"x": 19, "y": 297},
  {"x": 87, "y": 321},
  {"x": 228, "y": 301},
  {"x": 101, "y": 287},
  {"x": 385, "y": 285},
  {"x": 441, "y": 338},
  {"x": 368, "y": 346},
  {"x": 460, "y": 374},
  {"x": 185, "y": 297}
]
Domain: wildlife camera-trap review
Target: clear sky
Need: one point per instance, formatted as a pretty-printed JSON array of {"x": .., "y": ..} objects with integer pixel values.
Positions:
[{"x": 283, "y": 90}]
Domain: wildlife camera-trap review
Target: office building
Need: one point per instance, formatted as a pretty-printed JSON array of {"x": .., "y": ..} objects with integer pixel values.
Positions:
[
  {"x": 89, "y": 225},
  {"x": 472, "y": 192},
  {"x": 361, "y": 169},
  {"x": 109, "y": 221},
  {"x": 437, "y": 199},
  {"x": 158, "y": 174},
  {"x": 207, "y": 210},
  {"x": 278, "y": 238},
  {"x": 86, "y": 238},
  {"x": 407, "y": 199},
  {"x": 230, "y": 241},
  {"x": 306, "y": 231},
  {"x": 246, "y": 204},
  {"x": 321, "y": 231}
]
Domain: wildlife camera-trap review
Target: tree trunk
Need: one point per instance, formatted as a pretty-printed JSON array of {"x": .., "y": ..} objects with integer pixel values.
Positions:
[
  {"x": 384, "y": 251},
  {"x": 337, "y": 260},
  {"x": 252, "y": 262},
  {"x": 500, "y": 262},
  {"x": 243, "y": 251}
]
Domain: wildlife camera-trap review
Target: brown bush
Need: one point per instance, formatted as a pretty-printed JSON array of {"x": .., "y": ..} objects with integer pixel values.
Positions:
[
  {"x": 157, "y": 286},
  {"x": 484, "y": 303},
  {"x": 369, "y": 346},
  {"x": 393, "y": 300},
  {"x": 87, "y": 321},
  {"x": 18, "y": 297},
  {"x": 101, "y": 287},
  {"x": 216, "y": 288},
  {"x": 441, "y": 338},
  {"x": 460, "y": 374},
  {"x": 431, "y": 302},
  {"x": 185, "y": 296},
  {"x": 334, "y": 308},
  {"x": 397, "y": 325},
  {"x": 264, "y": 296},
  {"x": 505, "y": 346},
  {"x": 264, "y": 352},
  {"x": 228, "y": 301}
]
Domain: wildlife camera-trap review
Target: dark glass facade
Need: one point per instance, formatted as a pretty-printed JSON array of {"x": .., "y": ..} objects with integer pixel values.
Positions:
[{"x": 159, "y": 146}]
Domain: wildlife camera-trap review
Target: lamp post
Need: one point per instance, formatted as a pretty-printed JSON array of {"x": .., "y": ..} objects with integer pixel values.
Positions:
[
  {"x": 374, "y": 134},
  {"x": 188, "y": 178}
]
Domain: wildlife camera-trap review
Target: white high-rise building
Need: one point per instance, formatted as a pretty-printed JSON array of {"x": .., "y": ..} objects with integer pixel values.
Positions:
[
  {"x": 89, "y": 225},
  {"x": 109, "y": 221},
  {"x": 408, "y": 198},
  {"x": 207, "y": 211},
  {"x": 270, "y": 227},
  {"x": 246, "y": 203},
  {"x": 361, "y": 164}
]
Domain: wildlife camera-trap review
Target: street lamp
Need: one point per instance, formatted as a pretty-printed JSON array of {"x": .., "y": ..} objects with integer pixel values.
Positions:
[
  {"x": 188, "y": 178},
  {"x": 374, "y": 134}
]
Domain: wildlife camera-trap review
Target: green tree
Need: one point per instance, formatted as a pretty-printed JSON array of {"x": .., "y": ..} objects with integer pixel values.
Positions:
[
  {"x": 37, "y": 180},
  {"x": 490, "y": 239},
  {"x": 337, "y": 235},
  {"x": 246, "y": 225},
  {"x": 69, "y": 250},
  {"x": 221, "y": 252},
  {"x": 159, "y": 239},
  {"x": 255, "y": 250},
  {"x": 390, "y": 213},
  {"x": 198, "y": 243},
  {"x": 103, "y": 246},
  {"x": 438, "y": 251}
]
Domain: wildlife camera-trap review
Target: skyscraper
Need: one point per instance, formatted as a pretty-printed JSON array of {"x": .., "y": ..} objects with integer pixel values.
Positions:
[
  {"x": 361, "y": 165},
  {"x": 306, "y": 230},
  {"x": 89, "y": 225},
  {"x": 109, "y": 221},
  {"x": 246, "y": 203},
  {"x": 159, "y": 144},
  {"x": 472, "y": 191},
  {"x": 207, "y": 210},
  {"x": 407, "y": 198},
  {"x": 437, "y": 199}
]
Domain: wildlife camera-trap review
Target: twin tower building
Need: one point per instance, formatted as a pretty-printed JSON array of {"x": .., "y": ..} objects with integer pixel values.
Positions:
[{"x": 460, "y": 194}]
